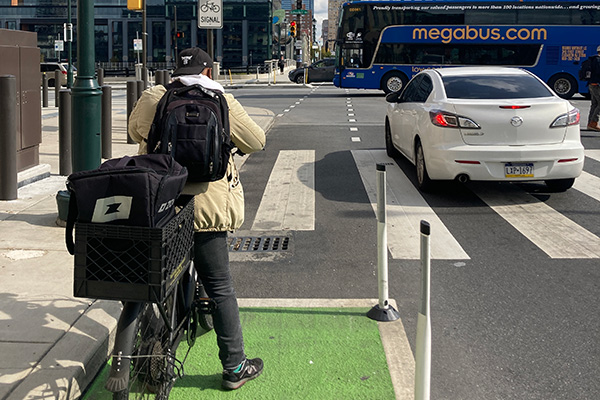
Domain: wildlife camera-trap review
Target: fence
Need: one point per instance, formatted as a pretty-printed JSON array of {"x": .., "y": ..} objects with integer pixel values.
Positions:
[{"x": 128, "y": 68}]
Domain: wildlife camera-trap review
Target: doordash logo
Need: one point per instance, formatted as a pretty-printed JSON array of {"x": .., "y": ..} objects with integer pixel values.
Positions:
[{"x": 482, "y": 33}]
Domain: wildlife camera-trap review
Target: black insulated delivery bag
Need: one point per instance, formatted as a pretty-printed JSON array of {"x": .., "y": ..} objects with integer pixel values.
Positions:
[{"x": 133, "y": 191}]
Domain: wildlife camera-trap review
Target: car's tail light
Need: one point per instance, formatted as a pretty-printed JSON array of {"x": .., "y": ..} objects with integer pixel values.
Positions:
[
  {"x": 449, "y": 120},
  {"x": 570, "y": 118},
  {"x": 514, "y": 107}
]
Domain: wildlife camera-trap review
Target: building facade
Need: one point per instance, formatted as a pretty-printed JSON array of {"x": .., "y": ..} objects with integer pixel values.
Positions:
[
  {"x": 333, "y": 13},
  {"x": 325, "y": 34},
  {"x": 246, "y": 37}
]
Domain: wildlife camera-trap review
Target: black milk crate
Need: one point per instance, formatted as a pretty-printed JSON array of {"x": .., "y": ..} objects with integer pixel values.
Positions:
[{"x": 133, "y": 263}]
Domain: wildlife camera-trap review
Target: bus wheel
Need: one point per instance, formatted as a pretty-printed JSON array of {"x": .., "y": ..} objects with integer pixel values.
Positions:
[
  {"x": 393, "y": 82},
  {"x": 564, "y": 85}
]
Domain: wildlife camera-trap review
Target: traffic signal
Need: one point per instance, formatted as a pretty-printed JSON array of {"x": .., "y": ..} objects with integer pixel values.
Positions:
[
  {"x": 179, "y": 35},
  {"x": 135, "y": 4},
  {"x": 293, "y": 28}
]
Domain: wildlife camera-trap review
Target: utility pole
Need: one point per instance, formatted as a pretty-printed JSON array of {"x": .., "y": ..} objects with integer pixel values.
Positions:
[
  {"x": 86, "y": 95},
  {"x": 298, "y": 50},
  {"x": 144, "y": 44},
  {"x": 69, "y": 40},
  {"x": 176, "y": 40}
]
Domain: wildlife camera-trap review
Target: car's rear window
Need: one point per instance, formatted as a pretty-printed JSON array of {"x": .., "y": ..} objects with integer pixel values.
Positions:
[{"x": 494, "y": 87}]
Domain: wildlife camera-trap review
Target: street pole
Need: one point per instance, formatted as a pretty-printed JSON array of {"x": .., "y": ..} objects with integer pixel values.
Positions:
[
  {"x": 210, "y": 48},
  {"x": 69, "y": 39},
  {"x": 86, "y": 95},
  {"x": 175, "y": 15},
  {"x": 144, "y": 44},
  {"x": 298, "y": 50}
]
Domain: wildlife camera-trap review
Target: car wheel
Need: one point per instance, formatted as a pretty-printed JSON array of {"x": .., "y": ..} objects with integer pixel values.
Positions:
[
  {"x": 300, "y": 79},
  {"x": 560, "y": 185},
  {"x": 425, "y": 184},
  {"x": 50, "y": 82},
  {"x": 393, "y": 82},
  {"x": 389, "y": 146},
  {"x": 564, "y": 85}
]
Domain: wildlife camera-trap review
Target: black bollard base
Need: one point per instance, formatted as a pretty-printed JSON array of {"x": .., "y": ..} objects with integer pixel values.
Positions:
[
  {"x": 62, "y": 202},
  {"x": 383, "y": 314}
]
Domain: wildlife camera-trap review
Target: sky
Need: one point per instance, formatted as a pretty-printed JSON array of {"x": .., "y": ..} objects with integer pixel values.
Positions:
[{"x": 320, "y": 15}]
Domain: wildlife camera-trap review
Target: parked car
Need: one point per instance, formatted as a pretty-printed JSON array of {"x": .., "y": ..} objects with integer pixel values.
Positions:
[
  {"x": 49, "y": 69},
  {"x": 484, "y": 124},
  {"x": 320, "y": 71}
]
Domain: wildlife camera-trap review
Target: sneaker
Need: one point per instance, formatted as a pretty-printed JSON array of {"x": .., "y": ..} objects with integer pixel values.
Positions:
[
  {"x": 246, "y": 371},
  {"x": 593, "y": 126}
]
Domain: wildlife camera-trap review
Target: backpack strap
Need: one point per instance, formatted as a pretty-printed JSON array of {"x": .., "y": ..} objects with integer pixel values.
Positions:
[
  {"x": 224, "y": 112},
  {"x": 71, "y": 217},
  {"x": 123, "y": 162}
]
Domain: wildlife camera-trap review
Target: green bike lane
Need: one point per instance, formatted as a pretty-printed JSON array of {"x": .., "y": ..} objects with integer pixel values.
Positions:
[{"x": 312, "y": 349}]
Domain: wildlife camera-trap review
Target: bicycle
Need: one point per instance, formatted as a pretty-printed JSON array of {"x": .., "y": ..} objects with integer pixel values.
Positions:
[
  {"x": 152, "y": 272},
  {"x": 148, "y": 335}
]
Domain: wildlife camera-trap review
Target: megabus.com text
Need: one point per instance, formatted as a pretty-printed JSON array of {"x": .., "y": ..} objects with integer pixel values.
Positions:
[{"x": 447, "y": 35}]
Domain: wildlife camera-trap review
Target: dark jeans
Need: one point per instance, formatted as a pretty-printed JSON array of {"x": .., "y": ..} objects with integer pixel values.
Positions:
[
  {"x": 595, "y": 106},
  {"x": 211, "y": 259}
]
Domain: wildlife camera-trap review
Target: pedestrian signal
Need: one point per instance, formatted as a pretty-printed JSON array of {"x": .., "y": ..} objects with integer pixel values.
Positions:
[
  {"x": 135, "y": 4},
  {"x": 293, "y": 28}
]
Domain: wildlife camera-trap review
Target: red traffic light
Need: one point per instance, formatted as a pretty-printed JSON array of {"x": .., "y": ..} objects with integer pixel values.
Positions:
[{"x": 179, "y": 35}]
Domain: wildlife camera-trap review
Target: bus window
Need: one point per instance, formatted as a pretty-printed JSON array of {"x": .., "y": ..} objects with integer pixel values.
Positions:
[
  {"x": 459, "y": 54},
  {"x": 353, "y": 57},
  {"x": 353, "y": 24}
]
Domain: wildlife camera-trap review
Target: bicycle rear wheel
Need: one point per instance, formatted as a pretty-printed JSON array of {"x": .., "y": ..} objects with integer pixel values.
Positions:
[{"x": 153, "y": 366}]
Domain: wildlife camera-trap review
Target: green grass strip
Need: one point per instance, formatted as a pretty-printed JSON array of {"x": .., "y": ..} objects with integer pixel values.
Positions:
[{"x": 309, "y": 353}]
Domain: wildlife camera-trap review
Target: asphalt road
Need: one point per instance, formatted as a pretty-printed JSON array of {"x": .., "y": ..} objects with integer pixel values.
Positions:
[{"x": 513, "y": 318}]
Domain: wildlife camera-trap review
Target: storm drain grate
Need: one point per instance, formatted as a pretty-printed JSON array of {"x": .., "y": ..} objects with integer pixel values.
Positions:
[{"x": 268, "y": 243}]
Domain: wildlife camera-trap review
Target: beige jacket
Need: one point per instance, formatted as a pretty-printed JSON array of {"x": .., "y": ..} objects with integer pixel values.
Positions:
[{"x": 219, "y": 205}]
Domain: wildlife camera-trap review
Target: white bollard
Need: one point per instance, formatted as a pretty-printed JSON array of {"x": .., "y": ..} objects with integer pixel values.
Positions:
[
  {"x": 423, "y": 347},
  {"x": 382, "y": 311}
]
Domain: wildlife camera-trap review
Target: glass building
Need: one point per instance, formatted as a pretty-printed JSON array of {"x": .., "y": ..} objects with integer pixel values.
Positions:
[{"x": 246, "y": 37}]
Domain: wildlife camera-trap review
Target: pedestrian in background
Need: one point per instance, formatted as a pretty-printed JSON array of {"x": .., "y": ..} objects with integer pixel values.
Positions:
[
  {"x": 218, "y": 208},
  {"x": 594, "y": 87},
  {"x": 281, "y": 65}
]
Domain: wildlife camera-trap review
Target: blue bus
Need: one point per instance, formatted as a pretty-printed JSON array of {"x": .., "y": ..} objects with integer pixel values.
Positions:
[{"x": 382, "y": 44}]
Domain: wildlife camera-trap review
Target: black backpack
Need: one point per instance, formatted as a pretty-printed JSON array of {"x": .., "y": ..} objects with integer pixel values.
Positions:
[
  {"x": 585, "y": 72},
  {"x": 192, "y": 125}
]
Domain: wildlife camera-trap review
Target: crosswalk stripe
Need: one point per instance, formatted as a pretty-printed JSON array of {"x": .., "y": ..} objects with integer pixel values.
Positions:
[
  {"x": 593, "y": 153},
  {"x": 405, "y": 209},
  {"x": 588, "y": 184},
  {"x": 288, "y": 202},
  {"x": 552, "y": 232}
]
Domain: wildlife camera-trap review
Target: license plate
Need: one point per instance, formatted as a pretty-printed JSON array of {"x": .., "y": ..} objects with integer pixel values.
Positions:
[{"x": 516, "y": 170}]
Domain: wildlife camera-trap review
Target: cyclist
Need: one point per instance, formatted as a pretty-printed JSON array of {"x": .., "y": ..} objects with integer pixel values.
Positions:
[{"x": 219, "y": 208}]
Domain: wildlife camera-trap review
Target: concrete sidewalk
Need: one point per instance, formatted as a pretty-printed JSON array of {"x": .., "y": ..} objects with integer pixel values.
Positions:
[{"x": 52, "y": 344}]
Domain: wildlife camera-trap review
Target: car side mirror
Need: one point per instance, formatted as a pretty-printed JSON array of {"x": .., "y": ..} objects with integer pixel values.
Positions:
[{"x": 393, "y": 97}]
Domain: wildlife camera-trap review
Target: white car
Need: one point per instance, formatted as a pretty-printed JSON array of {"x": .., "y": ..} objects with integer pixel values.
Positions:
[{"x": 484, "y": 124}]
